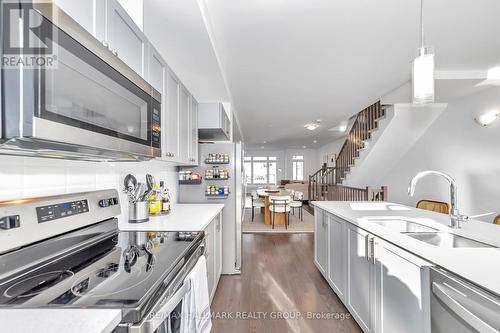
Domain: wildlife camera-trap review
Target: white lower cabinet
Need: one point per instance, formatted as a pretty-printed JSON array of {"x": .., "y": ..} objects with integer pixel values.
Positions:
[
  {"x": 213, "y": 254},
  {"x": 360, "y": 278},
  {"x": 337, "y": 261},
  {"x": 402, "y": 292},
  {"x": 321, "y": 241},
  {"x": 384, "y": 287}
]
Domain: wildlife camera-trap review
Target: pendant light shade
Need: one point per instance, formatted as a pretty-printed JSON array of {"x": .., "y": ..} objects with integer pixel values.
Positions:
[{"x": 423, "y": 77}]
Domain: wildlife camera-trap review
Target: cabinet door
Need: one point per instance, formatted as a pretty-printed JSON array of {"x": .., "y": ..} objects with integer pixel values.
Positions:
[
  {"x": 337, "y": 266},
  {"x": 170, "y": 127},
  {"x": 156, "y": 70},
  {"x": 360, "y": 278},
  {"x": 400, "y": 289},
  {"x": 218, "y": 247},
  {"x": 82, "y": 11},
  {"x": 193, "y": 131},
  {"x": 321, "y": 240},
  {"x": 184, "y": 133},
  {"x": 125, "y": 38},
  {"x": 210, "y": 255}
]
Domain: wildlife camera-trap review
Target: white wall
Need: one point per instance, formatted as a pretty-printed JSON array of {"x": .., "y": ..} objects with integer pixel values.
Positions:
[
  {"x": 331, "y": 148},
  {"x": 29, "y": 177},
  {"x": 456, "y": 145}
]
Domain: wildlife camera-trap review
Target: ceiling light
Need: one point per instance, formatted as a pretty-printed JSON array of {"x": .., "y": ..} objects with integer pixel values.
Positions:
[
  {"x": 487, "y": 118},
  {"x": 264, "y": 142},
  {"x": 304, "y": 147},
  {"x": 262, "y": 147},
  {"x": 311, "y": 126},
  {"x": 315, "y": 141},
  {"x": 423, "y": 69}
]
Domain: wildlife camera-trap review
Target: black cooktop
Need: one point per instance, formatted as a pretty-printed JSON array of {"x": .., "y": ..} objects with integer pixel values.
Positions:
[{"x": 117, "y": 270}]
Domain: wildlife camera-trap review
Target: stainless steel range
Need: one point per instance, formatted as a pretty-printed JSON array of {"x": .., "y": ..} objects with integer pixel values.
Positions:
[{"x": 66, "y": 252}]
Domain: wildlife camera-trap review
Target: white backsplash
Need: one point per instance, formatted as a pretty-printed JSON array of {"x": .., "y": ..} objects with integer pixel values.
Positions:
[{"x": 24, "y": 177}]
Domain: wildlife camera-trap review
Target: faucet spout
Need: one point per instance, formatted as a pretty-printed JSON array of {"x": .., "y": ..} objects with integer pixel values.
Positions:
[{"x": 455, "y": 217}]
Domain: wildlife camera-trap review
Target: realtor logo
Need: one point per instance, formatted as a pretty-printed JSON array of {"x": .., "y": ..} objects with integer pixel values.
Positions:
[{"x": 27, "y": 37}]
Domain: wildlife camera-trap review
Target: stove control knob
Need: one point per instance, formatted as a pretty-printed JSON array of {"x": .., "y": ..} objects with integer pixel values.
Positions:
[
  {"x": 103, "y": 203},
  {"x": 10, "y": 222}
]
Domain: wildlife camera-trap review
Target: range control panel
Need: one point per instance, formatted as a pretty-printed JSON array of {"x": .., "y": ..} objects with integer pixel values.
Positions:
[{"x": 65, "y": 209}]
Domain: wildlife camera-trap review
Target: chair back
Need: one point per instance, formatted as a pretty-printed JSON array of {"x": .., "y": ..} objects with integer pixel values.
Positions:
[
  {"x": 255, "y": 195},
  {"x": 298, "y": 196},
  {"x": 497, "y": 220},
  {"x": 434, "y": 206}
]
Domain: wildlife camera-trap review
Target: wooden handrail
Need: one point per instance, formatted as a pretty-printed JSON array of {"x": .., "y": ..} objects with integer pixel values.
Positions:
[{"x": 366, "y": 121}]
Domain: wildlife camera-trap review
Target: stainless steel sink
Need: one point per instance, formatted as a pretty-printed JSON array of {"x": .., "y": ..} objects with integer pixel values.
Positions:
[
  {"x": 448, "y": 240},
  {"x": 404, "y": 226}
]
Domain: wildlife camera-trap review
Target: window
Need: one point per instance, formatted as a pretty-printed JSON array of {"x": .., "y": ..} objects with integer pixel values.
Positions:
[
  {"x": 260, "y": 170},
  {"x": 298, "y": 167}
]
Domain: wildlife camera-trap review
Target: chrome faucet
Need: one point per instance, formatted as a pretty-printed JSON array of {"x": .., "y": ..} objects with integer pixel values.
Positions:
[{"x": 455, "y": 217}]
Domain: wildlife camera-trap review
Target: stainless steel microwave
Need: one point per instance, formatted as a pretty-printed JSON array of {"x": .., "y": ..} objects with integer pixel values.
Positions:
[{"x": 90, "y": 105}]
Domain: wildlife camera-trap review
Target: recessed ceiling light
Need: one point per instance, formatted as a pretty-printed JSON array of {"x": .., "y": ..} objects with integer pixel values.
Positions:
[
  {"x": 315, "y": 141},
  {"x": 311, "y": 126},
  {"x": 304, "y": 147},
  {"x": 487, "y": 118},
  {"x": 264, "y": 142},
  {"x": 262, "y": 147},
  {"x": 343, "y": 127}
]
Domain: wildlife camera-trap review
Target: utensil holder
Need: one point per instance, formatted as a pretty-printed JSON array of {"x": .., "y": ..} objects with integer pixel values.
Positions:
[{"x": 138, "y": 212}]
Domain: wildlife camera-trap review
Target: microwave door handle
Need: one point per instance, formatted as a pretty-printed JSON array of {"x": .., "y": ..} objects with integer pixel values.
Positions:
[
  {"x": 151, "y": 324},
  {"x": 460, "y": 310}
]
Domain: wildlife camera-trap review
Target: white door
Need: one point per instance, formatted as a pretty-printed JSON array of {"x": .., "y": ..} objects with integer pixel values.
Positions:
[
  {"x": 400, "y": 286},
  {"x": 170, "y": 127},
  {"x": 193, "y": 130},
  {"x": 125, "y": 38},
  {"x": 337, "y": 267},
  {"x": 321, "y": 240},
  {"x": 184, "y": 134},
  {"x": 360, "y": 278}
]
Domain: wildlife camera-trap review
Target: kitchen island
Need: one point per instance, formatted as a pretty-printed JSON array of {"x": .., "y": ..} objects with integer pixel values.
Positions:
[{"x": 367, "y": 254}]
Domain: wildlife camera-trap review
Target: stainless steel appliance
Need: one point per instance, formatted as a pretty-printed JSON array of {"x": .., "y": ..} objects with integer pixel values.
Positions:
[
  {"x": 81, "y": 260},
  {"x": 234, "y": 200},
  {"x": 88, "y": 106},
  {"x": 459, "y": 306}
]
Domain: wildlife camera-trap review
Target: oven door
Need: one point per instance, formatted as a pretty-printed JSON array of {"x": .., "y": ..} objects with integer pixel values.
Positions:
[{"x": 89, "y": 97}]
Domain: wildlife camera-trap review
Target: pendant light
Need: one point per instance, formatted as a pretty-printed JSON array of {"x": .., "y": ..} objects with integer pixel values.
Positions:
[{"x": 423, "y": 69}]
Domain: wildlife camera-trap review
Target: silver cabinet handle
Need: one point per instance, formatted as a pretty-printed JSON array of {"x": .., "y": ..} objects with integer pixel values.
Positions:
[
  {"x": 106, "y": 44},
  {"x": 372, "y": 249},
  {"x": 460, "y": 310},
  {"x": 115, "y": 52}
]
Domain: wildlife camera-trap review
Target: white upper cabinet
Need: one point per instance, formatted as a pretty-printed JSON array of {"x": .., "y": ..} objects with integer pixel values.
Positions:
[
  {"x": 193, "y": 129},
  {"x": 184, "y": 133},
  {"x": 125, "y": 38},
  {"x": 157, "y": 68},
  {"x": 170, "y": 126},
  {"x": 82, "y": 11}
]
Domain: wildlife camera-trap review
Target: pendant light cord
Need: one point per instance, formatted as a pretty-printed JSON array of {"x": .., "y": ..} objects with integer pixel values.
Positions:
[{"x": 421, "y": 24}]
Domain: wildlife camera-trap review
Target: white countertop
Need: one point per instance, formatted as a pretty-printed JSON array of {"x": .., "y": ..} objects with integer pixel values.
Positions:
[
  {"x": 478, "y": 265},
  {"x": 59, "y": 320},
  {"x": 184, "y": 217}
]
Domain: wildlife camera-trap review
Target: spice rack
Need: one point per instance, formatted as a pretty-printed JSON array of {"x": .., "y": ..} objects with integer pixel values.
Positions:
[
  {"x": 215, "y": 191},
  {"x": 215, "y": 158},
  {"x": 215, "y": 173}
]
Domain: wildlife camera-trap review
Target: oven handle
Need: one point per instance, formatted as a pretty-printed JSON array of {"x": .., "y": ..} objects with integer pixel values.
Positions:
[
  {"x": 460, "y": 310},
  {"x": 159, "y": 315}
]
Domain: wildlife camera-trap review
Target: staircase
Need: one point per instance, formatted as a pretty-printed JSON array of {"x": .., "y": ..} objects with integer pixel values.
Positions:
[
  {"x": 365, "y": 124},
  {"x": 326, "y": 183}
]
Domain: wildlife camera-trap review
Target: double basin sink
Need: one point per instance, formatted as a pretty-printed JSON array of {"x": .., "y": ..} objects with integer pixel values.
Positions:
[{"x": 430, "y": 235}]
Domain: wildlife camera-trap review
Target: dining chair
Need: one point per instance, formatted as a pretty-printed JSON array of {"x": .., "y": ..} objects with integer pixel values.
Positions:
[
  {"x": 297, "y": 202},
  {"x": 434, "y": 206},
  {"x": 497, "y": 220},
  {"x": 281, "y": 205},
  {"x": 256, "y": 202}
]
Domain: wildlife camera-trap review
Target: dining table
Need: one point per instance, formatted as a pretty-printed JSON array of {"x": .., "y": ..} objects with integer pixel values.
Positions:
[{"x": 265, "y": 194}]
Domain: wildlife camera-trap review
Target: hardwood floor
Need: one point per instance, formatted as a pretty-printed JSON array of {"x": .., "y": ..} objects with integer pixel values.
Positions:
[{"x": 278, "y": 290}]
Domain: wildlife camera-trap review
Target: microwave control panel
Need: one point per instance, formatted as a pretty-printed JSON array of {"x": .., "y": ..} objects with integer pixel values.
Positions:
[
  {"x": 61, "y": 210},
  {"x": 156, "y": 127}
]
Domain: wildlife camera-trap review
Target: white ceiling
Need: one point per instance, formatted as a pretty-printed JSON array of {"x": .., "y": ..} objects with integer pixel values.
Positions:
[{"x": 290, "y": 62}]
